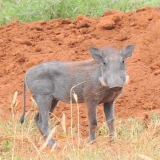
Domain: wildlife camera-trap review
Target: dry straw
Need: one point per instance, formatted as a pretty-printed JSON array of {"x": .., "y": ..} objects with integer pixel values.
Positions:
[
  {"x": 144, "y": 157},
  {"x": 48, "y": 138},
  {"x": 72, "y": 93},
  {"x": 71, "y": 107},
  {"x": 78, "y": 118},
  {"x": 63, "y": 122},
  {"x": 14, "y": 103}
]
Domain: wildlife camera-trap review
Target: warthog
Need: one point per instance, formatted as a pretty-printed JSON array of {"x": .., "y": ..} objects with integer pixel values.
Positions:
[{"x": 100, "y": 80}]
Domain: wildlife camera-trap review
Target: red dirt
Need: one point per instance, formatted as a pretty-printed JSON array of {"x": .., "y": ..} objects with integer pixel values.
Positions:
[{"x": 25, "y": 45}]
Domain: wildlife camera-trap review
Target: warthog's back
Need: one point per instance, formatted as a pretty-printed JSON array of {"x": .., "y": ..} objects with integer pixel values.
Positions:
[{"x": 57, "y": 78}]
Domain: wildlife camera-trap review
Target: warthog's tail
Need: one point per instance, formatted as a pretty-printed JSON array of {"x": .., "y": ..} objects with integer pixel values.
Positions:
[{"x": 24, "y": 104}]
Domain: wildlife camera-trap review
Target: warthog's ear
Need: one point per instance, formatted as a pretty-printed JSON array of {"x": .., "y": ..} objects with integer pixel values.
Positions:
[
  {"x": 127, "y": 51},
  {"x": 96, "y": 53}
]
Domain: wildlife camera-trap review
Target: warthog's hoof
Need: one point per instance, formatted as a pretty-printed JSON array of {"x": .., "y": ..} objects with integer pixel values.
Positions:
[
  {"x": 92, "y": 139},
  {"x": 112, "y": 138},
  {"x": 51, "y": 143},
  {"x": 55, "y": 147},
  {"x": 91, "y": 142}
]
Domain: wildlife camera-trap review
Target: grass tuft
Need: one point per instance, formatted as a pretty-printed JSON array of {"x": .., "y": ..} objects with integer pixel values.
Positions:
[{"x": 135, "y": 140}]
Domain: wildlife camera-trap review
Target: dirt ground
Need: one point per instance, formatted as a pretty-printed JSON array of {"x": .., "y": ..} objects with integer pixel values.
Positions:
[{"x": 25, "y": 45}]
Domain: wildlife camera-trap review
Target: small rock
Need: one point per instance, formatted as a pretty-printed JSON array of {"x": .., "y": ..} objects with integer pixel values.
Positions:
[
  {"x": 66, "y": 21},
  {"x": 133, "y": 24},
  {"x": 83, "y": 30},
  {"x": 150, "y": 17},
  {"x": 39, "y": 28},
  {"x": 122, "y": 36},
  {"x": 157, "y": 72},
  {"x": 108, "y": 24},
  {"x": 72, "y": 42},
  {"x": 37, "y": 49},
  {"x": 80, "y": 17},
  {"x": 42, "y": 22}
]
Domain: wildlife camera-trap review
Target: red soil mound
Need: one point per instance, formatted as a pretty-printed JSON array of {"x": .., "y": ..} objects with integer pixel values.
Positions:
[{"x": 25, "y": 45}]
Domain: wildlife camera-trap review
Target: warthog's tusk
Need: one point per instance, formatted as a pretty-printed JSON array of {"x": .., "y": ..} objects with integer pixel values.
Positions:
[
  {"x": 102, "y": 82},
  {"x": 127, "y": 79}
]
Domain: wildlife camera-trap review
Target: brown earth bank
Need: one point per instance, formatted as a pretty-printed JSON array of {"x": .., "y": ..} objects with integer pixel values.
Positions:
[{"x": 25, "y": 45}]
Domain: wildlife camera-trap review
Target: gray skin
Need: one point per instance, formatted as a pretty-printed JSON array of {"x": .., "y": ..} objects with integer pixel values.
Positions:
[{"x": 102, "y": 79}]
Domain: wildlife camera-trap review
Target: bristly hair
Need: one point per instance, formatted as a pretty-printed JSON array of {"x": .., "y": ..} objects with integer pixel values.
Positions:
[{"x": 109, "y": 51}]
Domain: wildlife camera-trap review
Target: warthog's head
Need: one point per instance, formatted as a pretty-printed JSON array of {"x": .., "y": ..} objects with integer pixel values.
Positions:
[{"x": 113, "y": 68}]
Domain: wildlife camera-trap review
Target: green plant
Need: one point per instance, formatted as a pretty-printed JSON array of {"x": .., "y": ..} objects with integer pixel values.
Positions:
[
  {"x": 7, "y": 145},
  {"x": 34, "y": 10}
]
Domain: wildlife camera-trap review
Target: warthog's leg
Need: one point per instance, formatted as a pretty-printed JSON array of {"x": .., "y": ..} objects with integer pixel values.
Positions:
[
  {"x": 109, "y": 113},
  {"x": 53, "y": 105},
  {"x": 44, "y": 105},
  {"x": 92, "y": 117}
]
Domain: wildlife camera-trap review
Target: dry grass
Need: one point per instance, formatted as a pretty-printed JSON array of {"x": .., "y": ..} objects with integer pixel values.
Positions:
[{"x": 136, "y": 140}]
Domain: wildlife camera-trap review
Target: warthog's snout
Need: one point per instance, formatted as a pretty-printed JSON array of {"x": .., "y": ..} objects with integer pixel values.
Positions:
[{"x": 116, "y": 89}]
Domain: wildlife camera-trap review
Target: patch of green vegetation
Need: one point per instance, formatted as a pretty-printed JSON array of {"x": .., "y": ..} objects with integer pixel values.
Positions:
[
  {"x": 7, "y": 145},
  {"x": 34, "y": 10}
]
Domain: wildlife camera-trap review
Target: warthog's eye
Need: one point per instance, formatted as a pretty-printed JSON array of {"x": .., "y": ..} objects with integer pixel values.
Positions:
[{"x": 104, "y": 63}]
